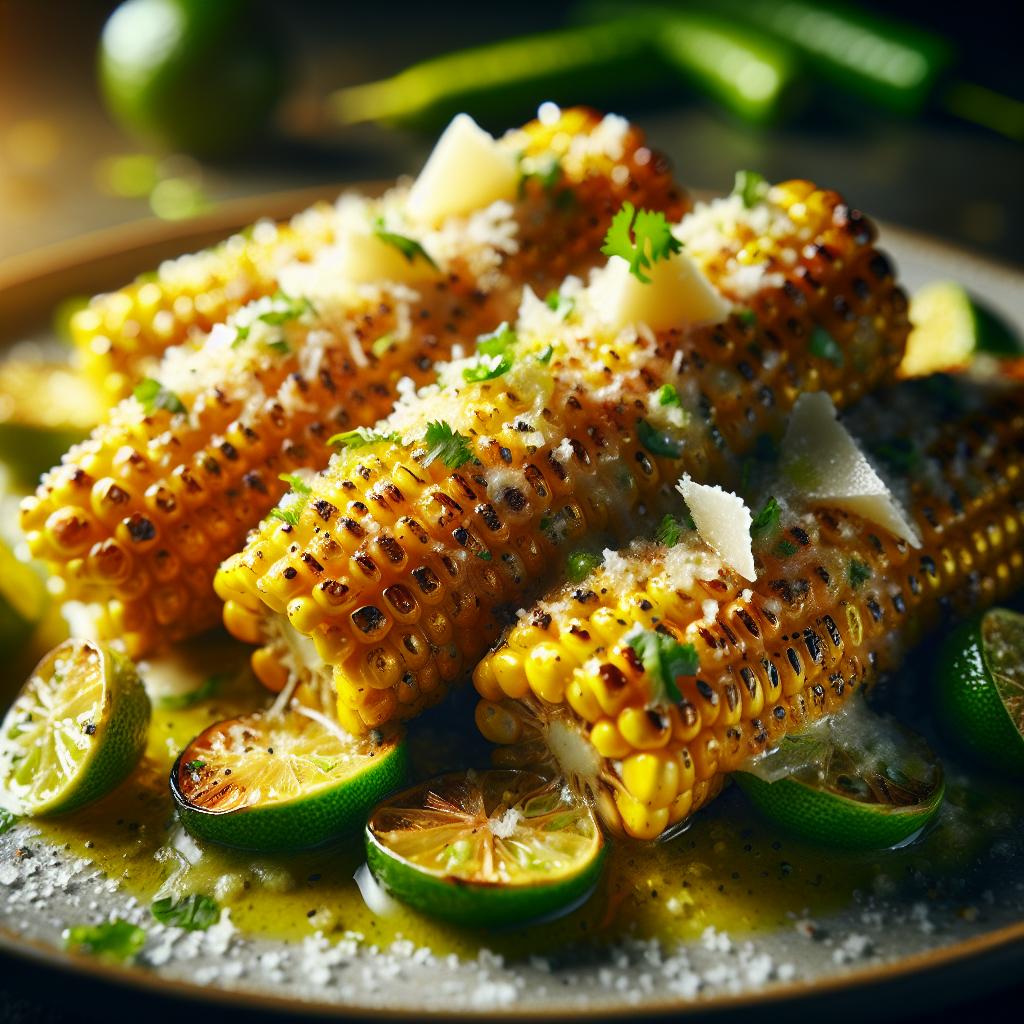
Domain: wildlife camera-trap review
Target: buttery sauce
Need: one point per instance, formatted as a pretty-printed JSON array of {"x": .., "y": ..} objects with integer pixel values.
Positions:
[{"x": 728, "y": 870}]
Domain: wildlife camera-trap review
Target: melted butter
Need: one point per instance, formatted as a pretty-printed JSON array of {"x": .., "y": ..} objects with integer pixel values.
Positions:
[{"x": 729, "y": 869}]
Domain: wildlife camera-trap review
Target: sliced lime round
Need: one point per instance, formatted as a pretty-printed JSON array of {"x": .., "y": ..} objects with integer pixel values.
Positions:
[
  {"x": 282, "y": 782},
  {"x": 75, "y": 730},
  {"x": 861, "y": 782},
  {"x": 486, "y": 848},
  {"x": 979, "y": 688}
]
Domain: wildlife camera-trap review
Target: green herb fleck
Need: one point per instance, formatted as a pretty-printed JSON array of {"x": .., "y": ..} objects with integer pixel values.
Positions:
[
  {"x": 494, "y": 355},
  {"x": 7, "y": 821},
  {"x": 824, "y": 346},
  {"x": 497, "y": 342},
  {"x": 651, "y": 239},
  {"x": 383, "y": 344},
  {"x": 360, "y": 438},
  {"x": 287, "y": 515},
  {"x": 580, "y": 565},
  {"x": 153, "y": 395},
  {"x": 114, "y": 940},
  {"x": 785, "y": 548},
  {"x": 194, "y": 766},
  {"x": 656, "y": 442},
  {"x": 177, "y": 701},
  {"x": 293, "y": 309},
  {"x": 487, "y": 368},
  {"x": 750, "y": 187},
  {"x": 562, "y": 304},
  {"x": 448, "y": 445},
  {"x": 295, "y": 482},
  {"x": 665, "y": 660},
  {"x": 858, "y": 573},
  {"x": 408, "y": 247},
  {"x": 670, "y": 529},
  {"x": 194, "y": 913},
  {"x": 767, "y": 520},
  {"x": 545, "y": 354},
  {"x": 667, "y": 395},
  {"x": 484, "y": 556},
  {"x": 547, "y": 175}
]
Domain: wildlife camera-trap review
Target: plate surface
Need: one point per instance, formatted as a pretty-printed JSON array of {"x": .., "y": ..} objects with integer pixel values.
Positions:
[{"x": 879, "y": 949}]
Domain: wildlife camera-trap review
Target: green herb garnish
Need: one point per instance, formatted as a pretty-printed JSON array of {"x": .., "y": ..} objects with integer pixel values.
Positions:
[
  {"x": 858, "y": 573},
  {"x": 360, "y": 438},
  {"x": 448, "y": 445},
  {"x": 7, "y": 820},
  {"x": 667, "y": 395},
  {"x": 545, "y": 354},
  {"x": 408, "y": 247},
  {"x": 825, "y": 346},
  {"x": 194, "y": 766},
  {"x": 293, "y": 309},
  {"x": 580, "y": 564},
  {"x": 785, "y": 548},
  {"x": 651, "y": 239},
  {"x": 494, "y": 355},
  {"x": 487, "y": 368},
  {"x": 665, "y": 660},
  {"x": 286, "y": 515},
  {"x": 747, "y": 316},
  {"x": 656, "y": 442},
  {"x": 115, "y": 940},
  {"x": 382, "y": 345},
  {"x": 561, "y": 304},
  {"x": 153, "y": 395},
  {"x": 548, "y": 175},
  {"x": 194, "y": 913},
  {"x": 670, "y": 529},
  {"x": 767, "y": 520},
  {"x": 295, "y": 482},
  {"x": 750, "y": 187}
]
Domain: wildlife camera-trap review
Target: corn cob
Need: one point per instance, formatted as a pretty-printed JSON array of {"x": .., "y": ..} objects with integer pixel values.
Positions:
[
  {"x": 400, "y": 569},
  {"x": 137, "y": 518},
  {"x": 838, "y": 602},
  {"x": 121, "y": 336}
]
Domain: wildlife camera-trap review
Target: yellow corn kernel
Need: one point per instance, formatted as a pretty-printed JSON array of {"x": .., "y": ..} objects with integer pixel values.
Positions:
[
  {"x": 653, "y": 779},
  {"x": 546, "y": 669},
  {"x": 507, "y": 671},
  {"x": 638, "y": 820},
  {"x": 269, "y": 669},
  {"x": 608, "y": 741}
]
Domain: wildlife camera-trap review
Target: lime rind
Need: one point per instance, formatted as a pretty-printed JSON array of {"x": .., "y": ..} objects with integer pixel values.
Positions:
[
  {"x": 255, "y": 815},
  {"x": 537, "y": 865},
  {"x": 54, "y": 765},
  {"x": 976, "y": 680}
]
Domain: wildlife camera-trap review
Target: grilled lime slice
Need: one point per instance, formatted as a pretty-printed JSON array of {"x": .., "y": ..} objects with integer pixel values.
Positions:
[
  {"x": 486, "y": 848},
  {"x": 282, "y": 782},
  {"x": 858, "y": 781},
  {"x": 75, "y": 730},
  {"x": 979, "y": 691},
  {"x": 950, "y": 326}
]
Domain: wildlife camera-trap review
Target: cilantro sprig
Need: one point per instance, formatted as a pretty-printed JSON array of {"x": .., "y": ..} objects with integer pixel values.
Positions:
[
  {"x": 451, "y": 447},
  {"x": 641, "y": 238},
  {"x": 152, "y": 395},
  {"x": 194, "y": 913},
  {"x": 665, "y": 660}
]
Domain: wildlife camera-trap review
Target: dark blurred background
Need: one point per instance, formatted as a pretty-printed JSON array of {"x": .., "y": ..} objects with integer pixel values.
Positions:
[{"x": 66, "y": 168}]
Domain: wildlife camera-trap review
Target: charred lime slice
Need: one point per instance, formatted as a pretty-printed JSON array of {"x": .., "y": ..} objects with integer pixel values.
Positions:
[
  {"x": 486, "y": 848},
  {"x": 75, "y": 730},
  {"x": 282, "y": 782},
  {"x": 979, "y": 693},
  {"x": 857, "y": 780}
]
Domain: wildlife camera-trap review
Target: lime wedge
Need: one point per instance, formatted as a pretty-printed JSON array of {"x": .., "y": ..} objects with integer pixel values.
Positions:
[
  {"x": 76, "y": 729},
  {"x": 282, "y": 782},
  {"x": 858, "y": 781},
  {"x": 486, "y": 848},
  {"x": 979, "y": 688},
  {"x": 949, "y": 327}
]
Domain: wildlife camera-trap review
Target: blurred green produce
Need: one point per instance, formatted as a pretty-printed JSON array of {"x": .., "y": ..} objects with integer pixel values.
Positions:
[{"x": 202, "y": 76}]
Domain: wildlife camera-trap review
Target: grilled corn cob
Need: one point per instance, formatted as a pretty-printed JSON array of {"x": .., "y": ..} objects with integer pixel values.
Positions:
[
  {"x": 406, "y": 559},
  {"x": 121, "y": 336},
  {"x": 137, "y": 518},
  {"x": 837, "y": 601}
]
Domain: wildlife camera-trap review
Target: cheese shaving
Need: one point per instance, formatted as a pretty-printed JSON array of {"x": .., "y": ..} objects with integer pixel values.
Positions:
[{"x": 723, "y": 522}]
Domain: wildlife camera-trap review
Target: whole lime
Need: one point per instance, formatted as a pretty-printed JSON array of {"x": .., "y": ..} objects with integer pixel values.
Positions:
[{"x": 201, "y": 76}]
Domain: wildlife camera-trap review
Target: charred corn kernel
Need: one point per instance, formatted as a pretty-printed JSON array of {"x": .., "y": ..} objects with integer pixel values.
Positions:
[
  {"x": 121, "y": 336},
  {"x": 822, "y": 619},
  {"x": 183, "y": 488},
  {"x": 546, "y": 443}
]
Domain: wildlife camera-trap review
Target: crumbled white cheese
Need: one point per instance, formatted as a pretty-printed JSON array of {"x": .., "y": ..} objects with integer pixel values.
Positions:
[{"x": 723, "y": 522}]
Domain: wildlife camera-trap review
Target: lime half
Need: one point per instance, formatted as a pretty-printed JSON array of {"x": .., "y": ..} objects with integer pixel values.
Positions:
[
  {"x": 76, "y": 729},
  {"x": 486, "y": 848},
  {"x": 979, "y": 692},
  {"x": 949, "y": 327},
  {"x": 858, "y": 781},
  {"x": 282, "y": 782}
]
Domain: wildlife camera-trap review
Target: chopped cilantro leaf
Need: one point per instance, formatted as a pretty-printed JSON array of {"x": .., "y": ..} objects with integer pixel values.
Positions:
[
  {"x": 494, "y": 356},
  {"x": 408, "y": 247},
  {"x": 750, "y": 187},
  {"x": 667, "y": 395},
  {"x": 194, "y": 766},
  {"x": 280, "y": 347},
  {"x": 497, "y": 342},
  {"x": 487, "y": 368},
  {"x": 785, "y": 548},
  {"x": 580, "y": 565},
  {"x": 448, "y": 445},
  {"x": 295, "y": 482},
  {"x": 747, "y": 316},
  {"x": 651, "y": 239},
  {"x": 7, "y": 821},
  {"x": 559, "y": 303},
  {"x": 360, "y": 438},
  {"x": 858, "y": 573},
  {"x": 767, "y": 520},
  {"x": 484, "y": 556},
  {"x": 152, "y": 395},
  {"x": 194, "y": 913},
  {"x": 292, "y": 310},
  {"x": 665, "y": 660},
  {"x": 286, "y": 515},
  {"x": 824, "y": 346},
  {"x": 656, "y": 442},
  {"x": 545, "y": 354},
  {"x": 116, "y": 940}
]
